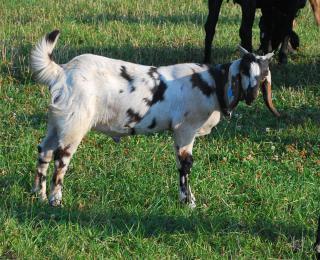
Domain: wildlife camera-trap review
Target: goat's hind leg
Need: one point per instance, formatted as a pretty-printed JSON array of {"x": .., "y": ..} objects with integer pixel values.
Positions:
[
  {"x": 45, "y": 152},
  {"x": 68, "y": 142}
]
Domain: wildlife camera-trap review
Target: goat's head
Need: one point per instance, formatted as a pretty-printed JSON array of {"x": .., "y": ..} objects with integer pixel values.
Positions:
[{"x": 250, "y": 72}]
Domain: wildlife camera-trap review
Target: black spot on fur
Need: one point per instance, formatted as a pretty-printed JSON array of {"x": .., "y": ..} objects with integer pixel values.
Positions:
[
  {"x": 198, "y": 82},
  {"x": 41, "y": 161},
  {"x": 201, "y": 65},
  {"x": 51, "y": 37},
  {"x": 148, "y": 101},
  {"x": 60, "y": 153},
  {"x": 153, "y": 124},
  {"x": 120, "y": 91},
  {"x": 133, "y": 116},
  {"x": 152, "y": 72},
  {"x": 125, "y": 74},
  {"x": 220, "y": 75},
  {"x": 158, "y": 92}
]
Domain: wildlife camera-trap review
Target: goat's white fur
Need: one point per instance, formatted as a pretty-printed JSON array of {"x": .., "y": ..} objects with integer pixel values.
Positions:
[{"x": 111, "y": 96}]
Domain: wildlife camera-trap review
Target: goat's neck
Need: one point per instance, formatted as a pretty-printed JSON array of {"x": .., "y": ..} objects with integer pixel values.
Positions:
[{"x": 225, "y": 76}]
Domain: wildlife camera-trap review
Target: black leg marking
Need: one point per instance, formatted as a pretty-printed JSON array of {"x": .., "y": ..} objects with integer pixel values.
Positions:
[{"x": 186, "y": 162}]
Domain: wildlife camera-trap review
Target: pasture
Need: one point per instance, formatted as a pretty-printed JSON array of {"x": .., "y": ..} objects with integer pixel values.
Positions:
[{"x": 256, "y": 178}]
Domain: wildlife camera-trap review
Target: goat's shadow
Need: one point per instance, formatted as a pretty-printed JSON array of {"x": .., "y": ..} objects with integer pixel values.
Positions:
[{"x": 119, "y": 221}]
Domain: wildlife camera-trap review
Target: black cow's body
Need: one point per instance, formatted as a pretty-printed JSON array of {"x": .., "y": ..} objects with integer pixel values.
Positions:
[{"x": 276, "y": 24}]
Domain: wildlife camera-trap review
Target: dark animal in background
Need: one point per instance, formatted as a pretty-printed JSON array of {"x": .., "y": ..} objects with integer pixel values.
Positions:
[{"x": 276, "y": 24}]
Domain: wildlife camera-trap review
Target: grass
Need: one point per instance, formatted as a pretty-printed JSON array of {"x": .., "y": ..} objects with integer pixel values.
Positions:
[{"x": 256, "y": 178}]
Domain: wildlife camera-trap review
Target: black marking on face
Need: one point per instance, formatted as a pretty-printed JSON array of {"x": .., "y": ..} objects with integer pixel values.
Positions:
[
  {"x": 125, "y": 74},
  {"x": 198, "y": 82},
  {"x": 153, "y": 124},
  {"x": 264, "y": 67},
  {"x": 133, "y": 116},
  {"x": 245, "y": 63},
  {"x": 158, "y": 92}
]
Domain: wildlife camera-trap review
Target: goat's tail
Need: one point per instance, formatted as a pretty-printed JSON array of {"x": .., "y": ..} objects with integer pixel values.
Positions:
[{"x": 44, "y": 68}]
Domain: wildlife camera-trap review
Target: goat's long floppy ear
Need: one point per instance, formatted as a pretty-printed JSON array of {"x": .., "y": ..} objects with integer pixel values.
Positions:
[
  {"x": 242, "y": 50},
  {"x": 233, "y": 89},
  {"x": 267, "y": 95}
]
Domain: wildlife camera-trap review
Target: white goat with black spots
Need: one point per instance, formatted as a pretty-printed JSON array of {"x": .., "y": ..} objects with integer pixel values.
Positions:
[{"x": 121, "y": 98}]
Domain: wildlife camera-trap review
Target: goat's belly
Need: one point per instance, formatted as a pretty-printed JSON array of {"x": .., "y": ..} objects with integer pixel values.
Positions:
[
  {"x": 112, "y": 130},
  {"x": 212, "y": 121}
]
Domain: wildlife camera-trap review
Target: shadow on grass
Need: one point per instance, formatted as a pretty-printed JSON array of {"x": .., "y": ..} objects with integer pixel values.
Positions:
[
  {"x": 291, "y": 75},
  {"x": 197, "y": 19},
  {"x": 156, "y": 223}
]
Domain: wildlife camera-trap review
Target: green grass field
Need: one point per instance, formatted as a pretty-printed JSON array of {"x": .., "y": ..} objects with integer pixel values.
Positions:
[{"x": 256, "y": 178}]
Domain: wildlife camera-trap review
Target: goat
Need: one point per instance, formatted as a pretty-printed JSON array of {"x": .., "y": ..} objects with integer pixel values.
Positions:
[
  {"x": 121, "y": 98},
  {"x": 280, "y": 12}
]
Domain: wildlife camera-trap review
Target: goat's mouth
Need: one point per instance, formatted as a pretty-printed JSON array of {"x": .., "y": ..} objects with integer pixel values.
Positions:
[{"x": 250, "y": 95}]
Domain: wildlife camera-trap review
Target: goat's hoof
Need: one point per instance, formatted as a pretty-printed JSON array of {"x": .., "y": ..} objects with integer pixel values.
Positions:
[
  {"x": 55, "y": 203},
  {"x": 188, "y": 199},
  {"x": 41, "y": 195}
]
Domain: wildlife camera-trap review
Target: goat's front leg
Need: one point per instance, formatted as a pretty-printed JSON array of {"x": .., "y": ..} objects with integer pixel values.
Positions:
[
  {"x": 183, "y": 147},
  {"x": 210, "y": 27},
  {"x": 248, "y": 9},
  {"x": 68, "y": 144}
]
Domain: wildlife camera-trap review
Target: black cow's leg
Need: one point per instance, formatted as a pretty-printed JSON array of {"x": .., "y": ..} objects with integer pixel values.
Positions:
[
  {"x": 266, "y": 26},
  {"x": 248, "y": 8},
  {"x": 210, "y": 27}
]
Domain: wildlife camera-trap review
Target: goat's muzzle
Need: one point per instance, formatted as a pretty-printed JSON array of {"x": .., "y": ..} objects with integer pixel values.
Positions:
[{"x": 267, "y": 96}]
